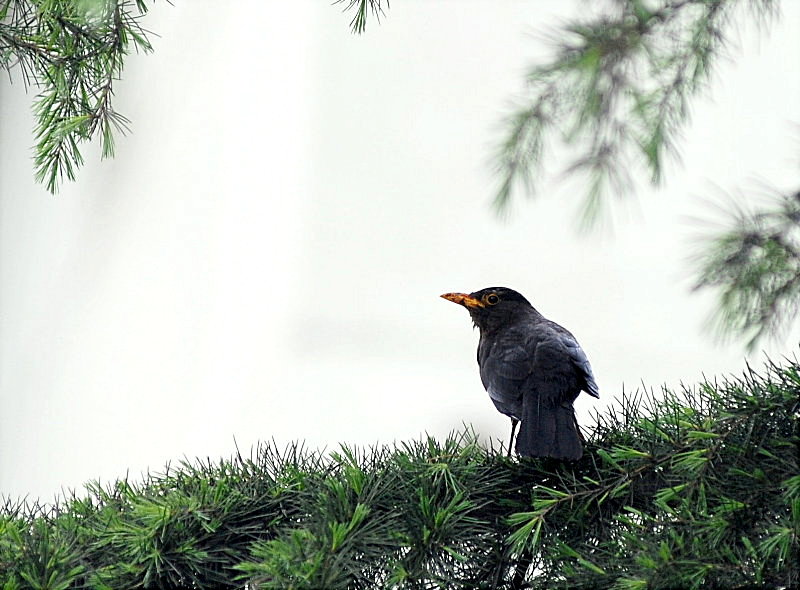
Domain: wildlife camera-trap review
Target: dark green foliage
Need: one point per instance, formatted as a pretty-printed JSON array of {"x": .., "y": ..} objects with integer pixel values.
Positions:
[
  {"x": 686, "y": 490},
  {"x": 699, "y": 488}
]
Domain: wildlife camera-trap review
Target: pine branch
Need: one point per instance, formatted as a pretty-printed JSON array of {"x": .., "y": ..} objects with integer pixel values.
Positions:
[
  {"x": 362, "y": 9},
  {"x": 73, "y": 52},
  {"x": 693, "y": 488},
  {"x": 754, "y": 265},
  {"x": 617, "y": 93}
]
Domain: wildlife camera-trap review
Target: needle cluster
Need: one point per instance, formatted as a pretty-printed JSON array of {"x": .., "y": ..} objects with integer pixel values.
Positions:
[{"x": 71, "y": 52}]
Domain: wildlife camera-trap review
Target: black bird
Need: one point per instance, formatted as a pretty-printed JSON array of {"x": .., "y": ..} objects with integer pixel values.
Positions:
[{"x": 532, "y": 368}]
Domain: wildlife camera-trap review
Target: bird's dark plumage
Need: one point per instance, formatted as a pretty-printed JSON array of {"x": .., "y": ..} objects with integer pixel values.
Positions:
[{"x": 532, "y": 368}]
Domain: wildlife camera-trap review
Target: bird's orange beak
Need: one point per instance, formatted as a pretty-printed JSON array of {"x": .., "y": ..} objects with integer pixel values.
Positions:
[{"x": 464, "y": 299}]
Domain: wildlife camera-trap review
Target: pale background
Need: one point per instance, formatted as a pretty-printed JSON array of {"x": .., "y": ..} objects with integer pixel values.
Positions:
[{"x": 263, "y": 257}]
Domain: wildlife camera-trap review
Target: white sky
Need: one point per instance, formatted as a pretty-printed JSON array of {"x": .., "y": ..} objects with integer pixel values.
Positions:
[{"x": 263, "y": 257}]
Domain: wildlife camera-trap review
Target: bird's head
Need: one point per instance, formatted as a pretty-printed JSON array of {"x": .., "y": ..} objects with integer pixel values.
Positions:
[{"x": 493, "y": 307}]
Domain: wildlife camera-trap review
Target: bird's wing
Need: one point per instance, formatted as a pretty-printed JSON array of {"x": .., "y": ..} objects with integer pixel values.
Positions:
[
  {"x": 560, "y": 339},
  {"x": 582, "y": 364}
]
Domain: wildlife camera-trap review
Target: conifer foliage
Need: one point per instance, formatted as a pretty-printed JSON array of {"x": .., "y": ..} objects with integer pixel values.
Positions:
[
  {"x": 72, "y": 52},
  {"x": 690, "y": 489}
]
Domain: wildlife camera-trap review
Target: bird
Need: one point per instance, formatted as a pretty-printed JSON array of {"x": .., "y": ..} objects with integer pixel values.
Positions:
[{"x": 533, "y": 370}]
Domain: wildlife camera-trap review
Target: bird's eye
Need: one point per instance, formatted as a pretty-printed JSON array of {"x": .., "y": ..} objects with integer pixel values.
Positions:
[{"x": 492, "y": 299}]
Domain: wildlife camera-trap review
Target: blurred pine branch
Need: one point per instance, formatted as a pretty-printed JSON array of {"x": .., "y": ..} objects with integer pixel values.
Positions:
[
  {"x": 688, "y": 489},
  {"x": 617, "y": 93},
  {"x": 753, "y": 262}
]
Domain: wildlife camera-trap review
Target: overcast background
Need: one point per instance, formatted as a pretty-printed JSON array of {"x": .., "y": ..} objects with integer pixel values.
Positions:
[{"x": 263, "y": 257}]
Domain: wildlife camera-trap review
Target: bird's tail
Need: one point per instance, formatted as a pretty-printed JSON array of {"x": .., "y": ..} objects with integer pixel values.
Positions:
[{"x": 549, "y": 432}]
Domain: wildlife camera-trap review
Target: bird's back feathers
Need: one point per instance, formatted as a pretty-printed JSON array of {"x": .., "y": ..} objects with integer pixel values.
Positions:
[{"x": 533, "y": 370}]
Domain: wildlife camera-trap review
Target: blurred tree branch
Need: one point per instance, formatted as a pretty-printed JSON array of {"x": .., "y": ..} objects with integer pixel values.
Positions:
[
  {"x": 754, "y": 264},
  {"x": 617, "y": 93},
  {"x": 72, "y": 51}
]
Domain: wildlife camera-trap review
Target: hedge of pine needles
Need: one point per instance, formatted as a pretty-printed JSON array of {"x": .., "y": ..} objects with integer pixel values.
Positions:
[{"x": 697, "y": 488}]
